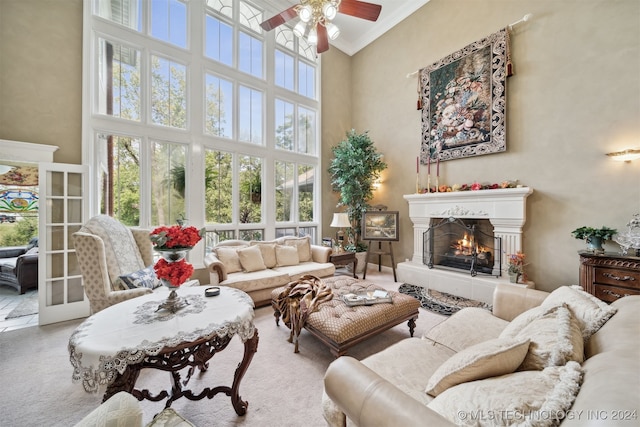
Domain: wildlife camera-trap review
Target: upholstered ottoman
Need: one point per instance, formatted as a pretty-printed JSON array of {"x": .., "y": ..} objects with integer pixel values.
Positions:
[{"x": 340, "y": 326}]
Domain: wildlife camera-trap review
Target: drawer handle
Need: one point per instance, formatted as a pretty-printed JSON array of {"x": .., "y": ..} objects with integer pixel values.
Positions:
[
  {"x": 618, "y": 278},
  {"x": 613, "y": 294}
]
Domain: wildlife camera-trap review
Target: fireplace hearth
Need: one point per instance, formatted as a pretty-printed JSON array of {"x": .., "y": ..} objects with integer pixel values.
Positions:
[{"x": 468, "y": 245}]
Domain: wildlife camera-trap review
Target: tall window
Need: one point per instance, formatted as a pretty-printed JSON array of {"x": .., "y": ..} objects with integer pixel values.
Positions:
[{"x": 196, "y": 112}]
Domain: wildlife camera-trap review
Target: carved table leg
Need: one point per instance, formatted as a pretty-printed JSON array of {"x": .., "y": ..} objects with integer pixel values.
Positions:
[
  {"x": 412, "y": 325},
  {"x": 124, "y": 382},
  {"x": 250, "y": 348}
]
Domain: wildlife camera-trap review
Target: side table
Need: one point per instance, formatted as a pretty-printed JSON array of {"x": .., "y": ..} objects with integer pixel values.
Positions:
[{"x": 343, "y": 259}]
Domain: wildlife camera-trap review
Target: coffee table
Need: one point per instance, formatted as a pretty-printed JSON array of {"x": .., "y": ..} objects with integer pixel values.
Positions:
[
  {"x": 112, "y": 346},
  {"x": 340, "y": 327}
]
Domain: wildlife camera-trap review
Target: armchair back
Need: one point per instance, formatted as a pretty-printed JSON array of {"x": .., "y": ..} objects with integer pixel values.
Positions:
[{"x": 107, "y": 249}]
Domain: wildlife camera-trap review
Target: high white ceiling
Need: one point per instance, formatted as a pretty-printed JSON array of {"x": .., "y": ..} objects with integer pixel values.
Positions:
[{"x": 356, "y": 33}]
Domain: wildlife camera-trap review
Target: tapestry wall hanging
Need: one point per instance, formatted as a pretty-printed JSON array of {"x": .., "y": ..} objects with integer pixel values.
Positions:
[{"x": 463, "y": 101}]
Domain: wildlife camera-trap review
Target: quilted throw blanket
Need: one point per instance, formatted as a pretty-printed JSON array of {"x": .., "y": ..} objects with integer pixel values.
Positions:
[{"x": 298, "y": 300}]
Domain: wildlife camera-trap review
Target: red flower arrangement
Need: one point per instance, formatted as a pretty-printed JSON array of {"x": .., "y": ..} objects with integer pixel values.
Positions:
[
  {"x": 175, "y": 272},
  {"x": 175, "y": 237}
]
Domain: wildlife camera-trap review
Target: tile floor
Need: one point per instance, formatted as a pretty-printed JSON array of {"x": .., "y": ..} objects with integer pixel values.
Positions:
[{"x": 9, "y": 299}]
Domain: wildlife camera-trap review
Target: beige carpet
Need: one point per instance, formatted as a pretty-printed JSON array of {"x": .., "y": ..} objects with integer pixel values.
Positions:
[{"x": 282, "y": 388}]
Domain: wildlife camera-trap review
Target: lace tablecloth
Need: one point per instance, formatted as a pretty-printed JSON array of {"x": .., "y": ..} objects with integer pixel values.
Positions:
[{"x": 107, "y": 342}]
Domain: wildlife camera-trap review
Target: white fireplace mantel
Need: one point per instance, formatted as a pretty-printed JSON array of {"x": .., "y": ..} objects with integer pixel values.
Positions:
[{"x": 504, "y": 208}]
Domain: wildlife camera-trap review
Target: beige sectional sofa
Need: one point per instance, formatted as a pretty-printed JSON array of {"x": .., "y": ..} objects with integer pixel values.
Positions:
[
  {"x": 541, "y": 359},
  {"x": 258, "y": 267}
]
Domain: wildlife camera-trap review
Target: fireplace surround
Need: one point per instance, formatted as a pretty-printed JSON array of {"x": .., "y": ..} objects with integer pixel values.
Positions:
[{"x": 506, "y": 211}]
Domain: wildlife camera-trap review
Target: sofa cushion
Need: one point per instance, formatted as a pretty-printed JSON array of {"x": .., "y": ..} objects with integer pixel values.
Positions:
[
  {"x": 591, "y": 312},
  {"x": 469, "y": 326},
  {"x": 528, "y": 398},
  {"x": 145, "y": 278},
  {"x": 8, "y": 263},
  {"x": 268, "y": 251},
  {"x": 487, "y": 359},
  {"x": 555, "y": 337},
  {"x": 256, "y": 280},
  {"x": 286, "y": 255},
  {"x": 317, "y": 269},
  {"x": 251, "y": 259},
  {"x": 303, "y": 245},
  {"x": 230, "y": 259}
]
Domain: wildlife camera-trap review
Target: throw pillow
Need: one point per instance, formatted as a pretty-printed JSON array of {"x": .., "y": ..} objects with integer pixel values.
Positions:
[
  {"x": 487, "y": 359},
  {"x": 230, "y": 259},
  {"x": 268, "y": 251},
  {"x": 591, "y": 312},
  {"x": 303, "y": 244},
  {"x": 251, "y": 259},
  {"x": 555, "y": 337},
  {"x": 528, "y": 398},
  {"x": 145, "y": 278},
  {"x": 286, "y": 255}
]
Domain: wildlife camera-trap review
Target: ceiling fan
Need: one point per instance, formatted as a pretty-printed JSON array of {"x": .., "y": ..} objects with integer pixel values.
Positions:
[{"x": 316, "y": 16}]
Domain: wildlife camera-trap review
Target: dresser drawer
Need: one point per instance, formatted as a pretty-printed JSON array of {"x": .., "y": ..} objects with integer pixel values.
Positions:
[
  {"x": 617, "y": 277},
  {"x": 611, "y": 293}
]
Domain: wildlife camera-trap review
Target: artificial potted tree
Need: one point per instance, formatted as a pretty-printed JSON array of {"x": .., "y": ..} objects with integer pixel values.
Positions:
[
  {"x": 355, "y": 167},
  {"x": 594, "y": 237}
]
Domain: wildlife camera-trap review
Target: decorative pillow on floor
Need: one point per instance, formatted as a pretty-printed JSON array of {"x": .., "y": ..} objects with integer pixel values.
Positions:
[
  {"x": 229, "y": 257},
  {"x": 591, "y": 312},
  {"x": 286, "y": 255},
  {"x": 251, "y": 259},
  {"x": 487, "y": 359},
  {"x": 303, "y": 244},
  {"x": 145, "y": 278},
  {"x": 527, "y": 398},
  {"x": 555, "y": 337}
]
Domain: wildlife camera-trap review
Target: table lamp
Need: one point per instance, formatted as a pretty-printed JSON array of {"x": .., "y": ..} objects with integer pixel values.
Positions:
[{"x": 340, "y": 220}]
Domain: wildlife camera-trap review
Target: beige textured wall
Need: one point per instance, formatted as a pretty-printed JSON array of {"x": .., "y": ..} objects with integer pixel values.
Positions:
[
  {"x": 336, "y": 119},
  {"x": 41, "y": 74},
  {"x": 575, "y": 95}
]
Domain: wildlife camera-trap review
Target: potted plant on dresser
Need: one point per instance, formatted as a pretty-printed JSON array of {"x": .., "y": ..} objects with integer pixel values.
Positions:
[
  {"x": 594, "y": 237},
  {"x": 355, "y": 167}
]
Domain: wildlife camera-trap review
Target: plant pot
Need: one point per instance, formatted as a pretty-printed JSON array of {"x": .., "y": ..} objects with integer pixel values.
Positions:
[
  {"x": 514, "y": 277},
  {"x": 594, "y": 244}
]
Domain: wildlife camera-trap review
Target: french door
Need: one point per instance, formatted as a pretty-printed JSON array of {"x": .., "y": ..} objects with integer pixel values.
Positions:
[{"x": 63, "y": 206}]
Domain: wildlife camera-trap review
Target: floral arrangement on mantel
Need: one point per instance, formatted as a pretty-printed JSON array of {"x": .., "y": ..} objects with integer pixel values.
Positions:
[
  {"x": 174, "y": 268},
  {"x": 475, "y": 186},
  {"x": 515, "y": 266}
]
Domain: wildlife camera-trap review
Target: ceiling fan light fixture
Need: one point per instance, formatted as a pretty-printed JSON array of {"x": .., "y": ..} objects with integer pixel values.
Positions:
[
  {"x": 329, "y": 10},
  {"x": 300, "y": 29},
  {"x": 305, "y": 13},
  {"x": 313, "y": 36},
  {"x": 333, "y": 31}
]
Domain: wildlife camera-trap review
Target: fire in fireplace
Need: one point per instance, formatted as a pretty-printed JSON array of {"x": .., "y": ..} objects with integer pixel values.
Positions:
[{"x": 463, "y": 245}]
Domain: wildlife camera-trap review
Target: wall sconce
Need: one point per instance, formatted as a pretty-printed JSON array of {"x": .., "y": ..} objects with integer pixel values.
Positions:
[
  {"x": 340, "y": 220},
  {"x": 625, "y": 155},
  {"x": 376, "y": 184}
]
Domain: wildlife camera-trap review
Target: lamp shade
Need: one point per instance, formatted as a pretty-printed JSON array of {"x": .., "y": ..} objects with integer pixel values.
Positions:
[{"x": 340, "y": 220}]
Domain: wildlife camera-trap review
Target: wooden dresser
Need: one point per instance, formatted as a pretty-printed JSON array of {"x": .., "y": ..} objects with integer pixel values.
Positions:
[{"x": 609, "y": 276}]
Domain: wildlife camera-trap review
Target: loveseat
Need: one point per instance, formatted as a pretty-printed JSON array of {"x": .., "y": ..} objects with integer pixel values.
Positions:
[
  {"x": 469, "y": 369},
  {"x": 258, "y": 267},
  {"x": 19, "y": 266}
]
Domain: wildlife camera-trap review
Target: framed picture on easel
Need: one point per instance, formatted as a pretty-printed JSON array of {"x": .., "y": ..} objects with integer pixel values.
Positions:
[{"x": 380, "y": 225}]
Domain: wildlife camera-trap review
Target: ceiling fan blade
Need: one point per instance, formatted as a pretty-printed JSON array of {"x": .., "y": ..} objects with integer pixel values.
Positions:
[
  {"x": 360, "y": 9},
  {"x": 279, "y": 19},
  {"x": 323, "y": 39}
]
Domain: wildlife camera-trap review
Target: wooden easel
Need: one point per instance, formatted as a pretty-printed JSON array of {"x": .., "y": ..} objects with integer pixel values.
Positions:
[{"x": 380, "y": 252}]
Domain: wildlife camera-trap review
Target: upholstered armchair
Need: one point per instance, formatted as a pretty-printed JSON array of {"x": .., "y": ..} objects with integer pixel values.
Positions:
[
  {"x": 107, "y": 251},
  {"x": 19, "y": 266}
]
